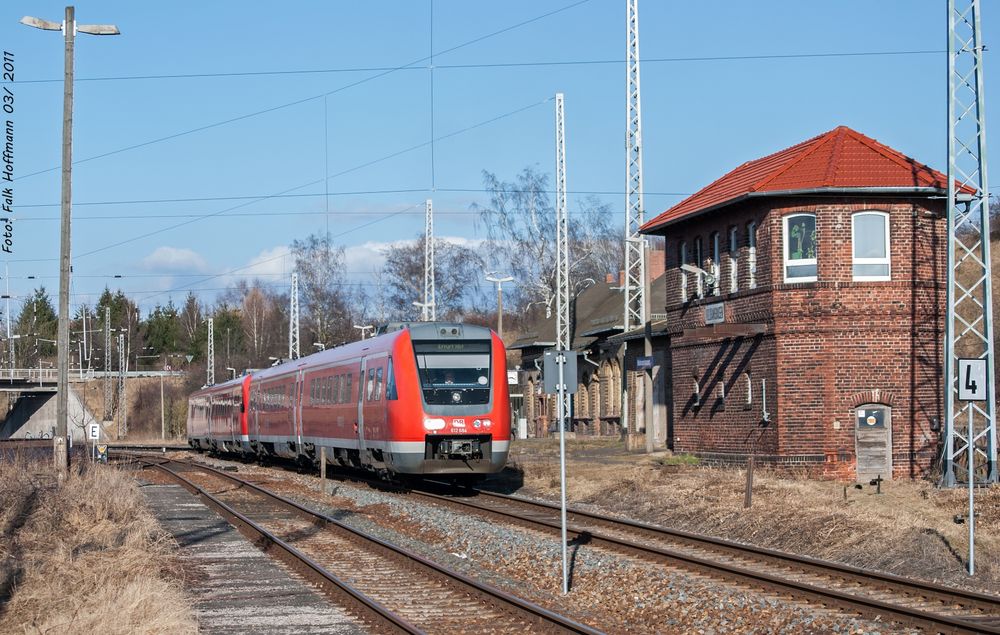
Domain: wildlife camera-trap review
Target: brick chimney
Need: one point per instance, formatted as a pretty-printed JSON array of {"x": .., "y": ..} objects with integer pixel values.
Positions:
[{"x": 657, "y": 263}]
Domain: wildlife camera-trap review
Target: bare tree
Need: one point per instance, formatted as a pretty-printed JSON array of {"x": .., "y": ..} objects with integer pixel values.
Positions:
[
  {"x": 325, "y": 305},
  {"x": 457, "y": 271},
  {"x": 520, "y": 237},
  {"x": 191, "y": 318},
  {"x": 262, "y": 325}
]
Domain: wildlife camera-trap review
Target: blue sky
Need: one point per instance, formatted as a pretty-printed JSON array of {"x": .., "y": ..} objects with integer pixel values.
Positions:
[{"x": 701, "y": 117}]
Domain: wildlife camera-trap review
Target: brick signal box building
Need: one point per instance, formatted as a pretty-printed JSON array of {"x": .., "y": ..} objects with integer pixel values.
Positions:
[{"x": 815, "y": 340}]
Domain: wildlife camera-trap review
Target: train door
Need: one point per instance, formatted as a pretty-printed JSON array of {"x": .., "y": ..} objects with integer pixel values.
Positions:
[
  {"x": 300, "y": 376},
  {"x": 362, "y": 387},
  {"x": 375, "y": 415},
  {"x": 254, "y": 407},
  {"x": 211, "y": 415},
  {"x": 234, "y": 418}
]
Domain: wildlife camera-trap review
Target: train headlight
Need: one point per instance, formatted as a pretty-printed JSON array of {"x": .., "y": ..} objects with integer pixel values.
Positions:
[
  {"x": 477, "y": 423},
  {"x": 487, "y": 422},
  {"x": 433, "y": 424},
  {"x": 456, "y": 397}
]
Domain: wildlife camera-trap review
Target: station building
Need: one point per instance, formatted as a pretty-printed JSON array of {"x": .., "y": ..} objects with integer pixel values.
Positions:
[
  {"x": 596, "y": 316},
  {"x": 803, "y": 311}
]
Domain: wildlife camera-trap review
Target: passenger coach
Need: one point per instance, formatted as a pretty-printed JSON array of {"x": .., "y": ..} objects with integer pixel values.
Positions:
[{"x": 428, "y": 398}]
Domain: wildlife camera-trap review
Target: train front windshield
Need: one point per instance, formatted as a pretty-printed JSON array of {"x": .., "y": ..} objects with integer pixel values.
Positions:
[{"x": 456, "y": 373}]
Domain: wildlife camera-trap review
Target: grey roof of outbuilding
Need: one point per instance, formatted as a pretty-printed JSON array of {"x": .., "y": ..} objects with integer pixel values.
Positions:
[{"x": 599, "y": 312}]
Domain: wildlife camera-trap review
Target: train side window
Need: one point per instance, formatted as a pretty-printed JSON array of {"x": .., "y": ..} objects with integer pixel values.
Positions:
[
  {"x": 347, "y": 388},
  {"x": 390, "y": 381},
  {"x": 370, "y": 388},
  {"x": 378, "y": 383},
  {"x": 335, "y": 392}
]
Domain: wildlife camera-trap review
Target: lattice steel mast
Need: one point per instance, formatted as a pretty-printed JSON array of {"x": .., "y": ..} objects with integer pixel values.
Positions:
[
  {"x": 293, "y": 319},
  {"x": 562, "y": 245},
  {"x": 210, "y": 379},
  {"x": 122, "y": 421},
  {"x": 635, "y": 264},
  {"x": 108, "y": 397},
  {"x": 969, "y": 324},
  {"x": 429, "y": 308}
]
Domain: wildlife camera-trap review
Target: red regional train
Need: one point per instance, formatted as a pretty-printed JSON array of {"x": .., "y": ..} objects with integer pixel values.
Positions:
[{"x": 429, "y": 398}]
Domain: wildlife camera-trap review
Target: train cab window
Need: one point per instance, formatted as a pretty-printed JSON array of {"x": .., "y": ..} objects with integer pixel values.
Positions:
[
  {"x": 370, "y": 388},
  {"x": 454, "y": 372},
  {"x": 378, "y": 383}
]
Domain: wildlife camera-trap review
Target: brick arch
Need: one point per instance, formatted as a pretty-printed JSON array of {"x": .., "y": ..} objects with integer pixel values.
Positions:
[{"x": 874, "y": 395}]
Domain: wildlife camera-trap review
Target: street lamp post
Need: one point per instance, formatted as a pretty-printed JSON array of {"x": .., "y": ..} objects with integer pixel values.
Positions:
[
  {"x": 364, "y": 329},
  {"x": 69, "y": 27},
  {"x": 493, "y": 276}
]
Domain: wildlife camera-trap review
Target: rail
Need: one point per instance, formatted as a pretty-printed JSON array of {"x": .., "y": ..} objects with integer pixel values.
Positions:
[
  {"x": 534, "y": 614},
  {"x": 861, "y": 579}
]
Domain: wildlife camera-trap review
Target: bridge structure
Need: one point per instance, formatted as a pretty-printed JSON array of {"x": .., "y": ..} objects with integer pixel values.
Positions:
[{"x": 32, "y": 411}]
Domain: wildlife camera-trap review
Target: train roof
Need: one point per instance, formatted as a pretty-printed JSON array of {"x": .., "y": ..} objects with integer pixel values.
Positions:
[
  {"x": 232, "y": 383},
  {"x": 417, "y": 331}
]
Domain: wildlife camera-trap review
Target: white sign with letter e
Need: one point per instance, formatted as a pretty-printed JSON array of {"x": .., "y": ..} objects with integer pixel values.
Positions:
[
  {"x": 972, "y": 379},
  {"x": 93, "y": 431}
]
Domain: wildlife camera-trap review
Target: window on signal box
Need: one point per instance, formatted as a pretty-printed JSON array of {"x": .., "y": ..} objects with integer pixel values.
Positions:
[{"x": 800, "y": 248}]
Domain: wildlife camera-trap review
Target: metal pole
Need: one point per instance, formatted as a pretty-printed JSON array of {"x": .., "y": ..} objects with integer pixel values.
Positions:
[
  {"x": 62, "y": 398},
  {"x": 972, "y": 486},
  {"x": 500, "y": 310},
  {"x": 163, "y": 418},
  {"x": 322, "y": 468},
  {"x": 647, "y": 340},
  {"x": 561, "y": 360}
]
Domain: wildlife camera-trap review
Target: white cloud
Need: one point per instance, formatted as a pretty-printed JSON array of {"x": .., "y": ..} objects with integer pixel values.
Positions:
[
  {"x": 270, "y": 263},
  {"x": 370, "y": 256},
  {"x": 176, "y": 260}
]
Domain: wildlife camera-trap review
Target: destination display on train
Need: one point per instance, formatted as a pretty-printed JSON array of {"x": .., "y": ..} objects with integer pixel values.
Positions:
[{"x": 452, "y": 347}]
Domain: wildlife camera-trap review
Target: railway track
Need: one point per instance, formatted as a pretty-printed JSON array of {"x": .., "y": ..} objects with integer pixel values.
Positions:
[
  {"x": 393, "y": 588},
  {"x": 931, "y": 607}
]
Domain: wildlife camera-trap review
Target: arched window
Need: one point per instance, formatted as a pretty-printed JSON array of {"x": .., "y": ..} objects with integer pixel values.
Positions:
[
  {"x": 870, "y": 240},
  {"x": 748, "y": 382},
  {"x": 752, "y": 254},
  {"x": 800, "y": 248}
]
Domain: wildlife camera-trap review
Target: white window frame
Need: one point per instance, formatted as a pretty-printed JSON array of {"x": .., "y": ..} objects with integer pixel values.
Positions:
[
  {"x": 749, "y": 400},
  {"x": 699, "y": 258},
  {"x": 752, "y": 254},
  {"x": 786, "y": 262},
  {"x": 734, "y": 284},
  {"x": 716, "y": 264},
  {"x": 684, "y": 276},
  {"x": 872, "y": 261}
]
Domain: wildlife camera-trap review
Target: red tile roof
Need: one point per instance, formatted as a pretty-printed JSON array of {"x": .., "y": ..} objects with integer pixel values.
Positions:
[{"x": 839, "y": 159}]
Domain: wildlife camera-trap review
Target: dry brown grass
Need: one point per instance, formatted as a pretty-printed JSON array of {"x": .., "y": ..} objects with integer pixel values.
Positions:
[
  {"x": 86, "y": 557},
  {"x": 907, "y": 530}
]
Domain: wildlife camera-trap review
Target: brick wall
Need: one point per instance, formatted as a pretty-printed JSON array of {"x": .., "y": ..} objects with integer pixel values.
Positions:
[{"x": 831, "y": 345}]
